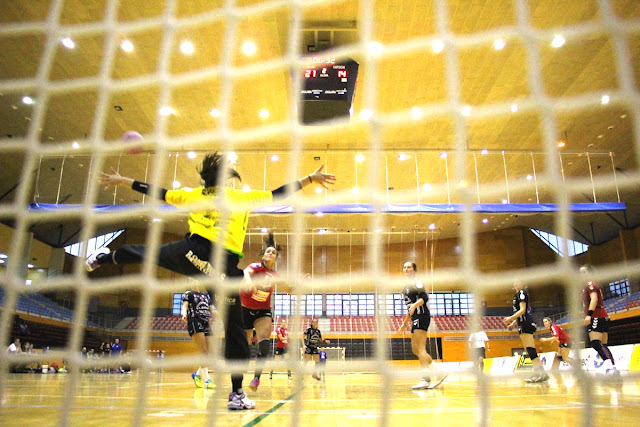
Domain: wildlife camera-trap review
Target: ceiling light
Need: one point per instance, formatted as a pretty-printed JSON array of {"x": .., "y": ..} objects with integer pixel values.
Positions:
[
  {"x": 126, "y": 45},
  {"x": 249, "y": 48},
  {"x": 68, "y": 43},
  {"x": 30, "y": 265},
  {"x": 557, "y": 41},
  {"x": 529, "y": 177},
  {"x": 232, "y": 157},
  {"x": 167, "y": 111},
  {"x": 514, "y": 108},
  {"x": 319, "y": 190},
  {"x": 466, "y": 110},
  {"x": 561, "y": 144},
  {"x": 264, "y": 114},
  {"x": 600, "y": 136},
  {"x": 355, "y": 190},
  {"x": 443, "y": 155},
  {"x": 432, "y": 227},
  {"x": 1, "y": 261},
  {"x": 437, "y": 46},
  {"x": 187, "y": 47},
  {"x": 27, "y": 100},
  {"x": 192, "y": 154},
  {"x": 485, "y": 220},
  {"x": 359, "y": 158},
  {"x": 484, "y": 151},
  {"x": 427, "y": 187},
  {"x": 402, "y": 157},
  {"x": 3, "y": 256},
  {"x": 214, "y": 112},
  {"x": 319, "y": 214},
  {"x": 624, "y": 116},
  {"x": 505, "y": 201},
  {"x": 605, "y": 99},
  {"x": 264, "y": 230},
  {"x": 157, "y": 219},
  {"x": 322, "y": 231},
  {"x": 275, "y": 157},
  {"x": 366, "y": 114},
  {"x": 176, "y": 184},
  {"x": 462, "y": 183},
  {"x": 499, "y": 44},
  {"x": 416, "y": 113},
  {"x": 375, "y": 48},
  {"x": 246, "y": 188}
]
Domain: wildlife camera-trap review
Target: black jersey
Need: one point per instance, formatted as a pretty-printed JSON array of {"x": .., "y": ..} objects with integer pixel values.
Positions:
[
  {"x": 198, "y": 304},
  {"x": 412, "y": 292},
  {"x": 312, "y": 337},
  {"x": 522, "y": 296}
]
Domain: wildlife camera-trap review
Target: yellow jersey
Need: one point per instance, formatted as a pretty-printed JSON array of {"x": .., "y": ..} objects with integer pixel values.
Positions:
[{"x": 207, "y": 223}]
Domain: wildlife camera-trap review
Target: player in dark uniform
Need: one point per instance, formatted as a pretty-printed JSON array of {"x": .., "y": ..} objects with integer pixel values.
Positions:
[
  {"x": 255, "y": 295},
  {"x": 596, "y": 319},
  {"x": 419, "y": 317},
  {"x": 196, "y": 312},
  {"x": 191, "y": 256},
  {"x": 526, "y": 328},
  {"x": 312, "y": 342}
]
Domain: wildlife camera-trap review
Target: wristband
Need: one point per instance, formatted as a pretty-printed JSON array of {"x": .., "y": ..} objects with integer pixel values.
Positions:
[
  {"x": 590, "y": 313},
  {"x": 310, "y": 179}
]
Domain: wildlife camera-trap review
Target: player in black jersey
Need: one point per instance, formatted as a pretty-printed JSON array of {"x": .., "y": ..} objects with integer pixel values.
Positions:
[
  {"x": 312, "y": 342},
  {"x": 526, "y": 328},
  {"x": 419, "y": 317},
  {"x": 196, "y": 312}
]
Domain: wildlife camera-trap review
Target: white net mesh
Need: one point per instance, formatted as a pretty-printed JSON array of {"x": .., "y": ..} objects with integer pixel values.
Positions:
[{"x": 213, "y": 96}]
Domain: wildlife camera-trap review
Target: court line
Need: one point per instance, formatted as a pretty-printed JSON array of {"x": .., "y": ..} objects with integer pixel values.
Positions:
[{"x": 265, "y": 414}]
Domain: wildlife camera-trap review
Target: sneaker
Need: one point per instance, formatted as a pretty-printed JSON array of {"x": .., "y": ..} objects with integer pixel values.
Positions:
[
  {"x": 613, "y": 371},
  {"x": 92, "y": 262},
  {"x": 240, "y": 401},
  {"x": 271, "y": 375},
  {"x": 253, "y": 385},
  {"x": 197, "y": 379},
  {"x": 438, "y": 379},
  {"x": 209, "y": 384},
  {"x": 315, "y": 377},
  {"x": 538, "y": 378},
  {"x": 423, "y": 384}
]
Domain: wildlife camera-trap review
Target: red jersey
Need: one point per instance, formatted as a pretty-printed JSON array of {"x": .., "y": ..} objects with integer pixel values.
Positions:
[
  {"x": 593, "y": 287},
  {"x": 559, "y": 333},
  {"x": 285, "y": 333},
  {"x": 260, "y": 297}
]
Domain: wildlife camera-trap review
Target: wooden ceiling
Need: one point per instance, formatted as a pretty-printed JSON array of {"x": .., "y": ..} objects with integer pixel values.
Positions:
[{"x": 408, "y": 75}]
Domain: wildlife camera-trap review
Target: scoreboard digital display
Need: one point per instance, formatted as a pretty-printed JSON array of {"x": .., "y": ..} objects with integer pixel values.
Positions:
[{"x": 328, "y": 88}]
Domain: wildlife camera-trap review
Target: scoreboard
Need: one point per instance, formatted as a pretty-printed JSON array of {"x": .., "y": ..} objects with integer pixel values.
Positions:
[{"x": 328, "y": 88}]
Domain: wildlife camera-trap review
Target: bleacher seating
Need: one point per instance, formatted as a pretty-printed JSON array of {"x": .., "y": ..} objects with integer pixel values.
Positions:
[{"x": 35, "y": 304}]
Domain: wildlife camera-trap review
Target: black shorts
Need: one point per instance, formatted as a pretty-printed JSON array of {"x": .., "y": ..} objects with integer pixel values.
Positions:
[
  {"x": 599, "y": 324},
  {"x": 196, "y": 325},
  {"x": 281, "y": 351},
  {"x": 249, "y": 316},
  {"x": 311, "y": 350},
  {"x": 479, "y": 352},
  {"x": 527, "y": 327},
  {"x": 421, "y": 321}
]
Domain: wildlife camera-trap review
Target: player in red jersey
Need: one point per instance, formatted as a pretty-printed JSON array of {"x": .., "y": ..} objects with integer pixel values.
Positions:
[
  {"x": 596, "y": 318},
  {"x": 564, "y": 342},
  {"x": 282, "y": 344},
  {"x": 256, "y": 302}
]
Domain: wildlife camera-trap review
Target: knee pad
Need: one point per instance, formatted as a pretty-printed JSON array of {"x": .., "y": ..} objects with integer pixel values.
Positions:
[
  {"x": 597, "y": 345},
  {"x": 533, "y": 354},
  {"x": 263, "y": 347}
]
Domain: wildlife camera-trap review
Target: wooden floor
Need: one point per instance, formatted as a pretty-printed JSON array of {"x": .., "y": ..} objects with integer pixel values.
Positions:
[{"x": 349, "y": 399}]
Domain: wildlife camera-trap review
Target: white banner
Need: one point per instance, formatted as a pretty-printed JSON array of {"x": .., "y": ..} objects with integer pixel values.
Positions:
[
  {"x": 547, "y": 359},
  {"x": 592, "y": 361},
  {"x": 503, "y": 365}
]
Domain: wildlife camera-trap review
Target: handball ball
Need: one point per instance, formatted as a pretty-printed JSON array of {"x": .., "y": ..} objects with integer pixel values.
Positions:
[{"x": 133, "y": 136}]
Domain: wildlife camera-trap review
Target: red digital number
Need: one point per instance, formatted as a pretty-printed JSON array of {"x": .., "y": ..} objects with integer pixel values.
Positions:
[
  {"x": 324, "y": 71},
  {"x": 342, "y": 74},
  {"x": 309, "y": 73}
]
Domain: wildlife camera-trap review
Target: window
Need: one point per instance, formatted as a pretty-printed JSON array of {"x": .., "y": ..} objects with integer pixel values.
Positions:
[
  {"x": 453, "y": 303},
  {"x": 334, "y": 305},
  {"x": 555, "y": 243},
  {"x": 617, "y": 289},
  {"x": 285, "y": 304},
  {"x": 177, "y": 304},
  {"x": 93, "y": 244},
  {"x": 366, "y": 305},
  {"x": 313, "y": 305}
]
